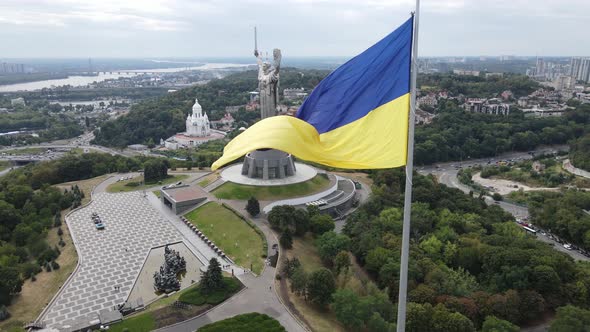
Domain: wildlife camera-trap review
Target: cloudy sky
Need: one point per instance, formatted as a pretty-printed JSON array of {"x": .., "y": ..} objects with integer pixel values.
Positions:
[{"x": 167, "y": 28}]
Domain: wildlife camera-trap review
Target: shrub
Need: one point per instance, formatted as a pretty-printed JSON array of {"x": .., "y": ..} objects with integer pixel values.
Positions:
[
  {"x": 497, "y": 197},
  {"x": 246, "y": 322},
  {"x": 196, "y": 296}
]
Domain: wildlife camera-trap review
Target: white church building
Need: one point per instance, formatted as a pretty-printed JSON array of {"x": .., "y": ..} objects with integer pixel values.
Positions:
[{"x": 198, "y": 131}]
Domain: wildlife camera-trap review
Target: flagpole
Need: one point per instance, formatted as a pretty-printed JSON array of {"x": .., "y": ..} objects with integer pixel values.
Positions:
[{"x": 403, "y": 272}]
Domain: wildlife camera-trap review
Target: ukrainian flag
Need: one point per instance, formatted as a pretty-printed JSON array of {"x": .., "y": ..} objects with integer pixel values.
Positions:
[{"x": 357, "y": 117}]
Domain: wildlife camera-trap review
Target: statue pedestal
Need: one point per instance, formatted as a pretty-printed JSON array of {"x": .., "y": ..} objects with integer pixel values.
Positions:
[{"x": 268, "y": 164}]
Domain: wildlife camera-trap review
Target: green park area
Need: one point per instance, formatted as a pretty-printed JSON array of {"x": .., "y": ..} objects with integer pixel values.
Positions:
[
  {"x": 163, "y": 313},
  {"x": 230, "y": 190},
  {"x": 230, "y": 232},
  {"x": 136, "y": 183},
  {"x": 252, "y": 322}
]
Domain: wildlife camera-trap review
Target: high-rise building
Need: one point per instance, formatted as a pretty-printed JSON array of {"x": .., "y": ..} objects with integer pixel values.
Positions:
[
  {"x": 580, "y": 69},
  {"x": 540, "y": 67},
  {"x": 11, "y": 68}
]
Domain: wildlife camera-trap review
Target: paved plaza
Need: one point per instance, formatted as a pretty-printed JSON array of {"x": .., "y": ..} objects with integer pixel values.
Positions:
[{"x": 109, "y": 258}]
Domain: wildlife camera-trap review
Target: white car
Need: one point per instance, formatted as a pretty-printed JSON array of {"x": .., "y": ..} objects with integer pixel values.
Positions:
[{"x": 567, "y": 246}]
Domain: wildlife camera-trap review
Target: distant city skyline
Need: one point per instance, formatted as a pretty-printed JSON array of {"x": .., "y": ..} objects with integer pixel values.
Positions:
[{"x": 301, "y": 28}]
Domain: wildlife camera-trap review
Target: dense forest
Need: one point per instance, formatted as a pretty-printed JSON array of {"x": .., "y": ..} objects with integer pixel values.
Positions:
[
  {"x": 457, "y": 135},
  {"x": 163, "y": 117},
  {"x": 471, "y": 266},
  {"x": 39, "y": 116},
  {"x": 478, "y": 86},
  {"x": 580, "y": 152},
  {"x": 467, "y": 256},
  {"x": 563, "y": 214}
]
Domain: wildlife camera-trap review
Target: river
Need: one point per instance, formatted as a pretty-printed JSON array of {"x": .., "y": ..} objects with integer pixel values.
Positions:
[{"x": 84, "y": 80}]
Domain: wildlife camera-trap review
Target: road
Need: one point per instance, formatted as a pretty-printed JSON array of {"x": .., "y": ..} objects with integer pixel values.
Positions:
[
  {"x": 82, "y": 142},
  {"x": 447, "y": 174}
]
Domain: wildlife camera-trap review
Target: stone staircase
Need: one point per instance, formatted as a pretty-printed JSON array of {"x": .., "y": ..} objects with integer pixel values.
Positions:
[{"x": 214, "y": 185}]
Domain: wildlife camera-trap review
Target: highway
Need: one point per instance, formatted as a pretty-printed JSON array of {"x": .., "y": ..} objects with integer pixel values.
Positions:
[
  {"x": 82, "y": 142},
  {"x": 447, "y": 174}
]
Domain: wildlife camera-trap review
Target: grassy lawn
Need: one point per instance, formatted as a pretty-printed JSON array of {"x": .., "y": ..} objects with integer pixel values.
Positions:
[
  {"x": 305, "y": 250},
  {"x": 27, "y": 305},
  {"x": 140, "y": 323},
  {"x": 230, "y": 233},
  {"x": 135, "y": 183},
  {"x": 231, "y": 190},
  {"x": 194, "y": 295},
  {"x": 247, "y": 322}
]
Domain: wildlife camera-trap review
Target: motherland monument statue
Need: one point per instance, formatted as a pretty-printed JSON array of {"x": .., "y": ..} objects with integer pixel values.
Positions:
[
  {"x": 268, "y": 164},
  {"x": 268, "y": 81}
]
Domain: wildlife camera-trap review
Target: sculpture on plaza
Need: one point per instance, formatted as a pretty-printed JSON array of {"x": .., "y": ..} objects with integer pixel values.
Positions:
[{"x": 166, "y": 280}]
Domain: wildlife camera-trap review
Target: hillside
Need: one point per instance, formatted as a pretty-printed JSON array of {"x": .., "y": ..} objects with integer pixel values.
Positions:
[{"x": 153, "y": 119}]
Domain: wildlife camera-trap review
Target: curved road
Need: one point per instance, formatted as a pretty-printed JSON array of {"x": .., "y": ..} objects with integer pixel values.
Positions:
[{"x": 447, "y": 174}]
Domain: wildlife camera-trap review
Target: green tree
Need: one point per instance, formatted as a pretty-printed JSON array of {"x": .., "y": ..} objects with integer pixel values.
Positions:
[
  {"x": 299, "y": 280},
  {"x": 320, "y": 287},
  {"x": 330, "y": 244},
  {"x": 349, "y": 309},
  {"x": 10, "y": 283},
  {"x": 570, "y": 319},
  {"x": 286, "y": 239},
  {"x": 433, "y": 247},
  {"x": 341, "y": 262},
  {"x": 376, "y": 258},
  {"x": 545, "y": 279},
  {"x": 321, "y": 223},
  {"x": 286, "y": 216},
  {"x": 212, "y": 278},
  {"x": 376, "y": 323},
  {"x": 494, "y": 324},
  {"x": 422, "y": 294},
  {"x": 253, "y": 206},
  {"x": 419, "y": 317},
  {"x": 444, "y": 320}
]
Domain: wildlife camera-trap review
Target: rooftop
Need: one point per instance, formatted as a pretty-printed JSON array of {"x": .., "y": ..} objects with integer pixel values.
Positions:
[{"x": 183, "y": 193}]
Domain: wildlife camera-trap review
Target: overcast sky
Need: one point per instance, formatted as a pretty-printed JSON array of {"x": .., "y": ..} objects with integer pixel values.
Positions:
[{"x": 181, "y": 28}]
